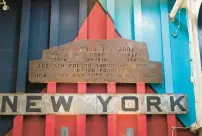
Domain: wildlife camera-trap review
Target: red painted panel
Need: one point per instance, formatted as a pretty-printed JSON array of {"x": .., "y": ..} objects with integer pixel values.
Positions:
[
  {"x": 126, "y": 121},
  {"x": 36, "y": 123},
  {"x": 81, "y": 125},
  {"x": 50, "y": 119},
  {"x": 184, "y": 132},
  {"x": 81, "y": 119},
  {"x": 66, "y": 121},
  {"x": 156, "y": 124},
  {"x": 18, "y": 126},
  {"x": 141, "y": 119},
  {"x": 97, "y": 23},
  {"x": 111, "y": 88},
  {"x": 69, "y": 121},
  {"x": 171, "y": 122},
  {"x": 96, "y": 124},
  {"x": 97, "y": 30},
  {"x": 111, "y": 122}
]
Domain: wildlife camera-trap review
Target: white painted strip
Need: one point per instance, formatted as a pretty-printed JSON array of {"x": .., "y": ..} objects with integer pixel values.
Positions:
[{"x": 74, "y": 104}]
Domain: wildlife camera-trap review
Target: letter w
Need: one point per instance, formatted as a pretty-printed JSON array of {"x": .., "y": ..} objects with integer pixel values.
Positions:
[{"x": 61, "y": 101}]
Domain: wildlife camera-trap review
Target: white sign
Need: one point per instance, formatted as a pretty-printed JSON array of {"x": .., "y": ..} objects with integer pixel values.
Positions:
[{"x": 73, "y": 104}]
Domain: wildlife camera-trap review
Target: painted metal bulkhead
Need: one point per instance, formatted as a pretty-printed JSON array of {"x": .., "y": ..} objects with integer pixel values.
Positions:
[{"x": 30, "y": 26}]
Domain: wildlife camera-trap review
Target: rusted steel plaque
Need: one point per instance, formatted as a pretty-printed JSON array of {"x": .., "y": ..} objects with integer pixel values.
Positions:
[
  {"x": 96, "y": 61},
  {"x": 74, "y": 104}
]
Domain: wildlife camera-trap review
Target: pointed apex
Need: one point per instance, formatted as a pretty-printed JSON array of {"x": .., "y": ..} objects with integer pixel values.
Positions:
[{"x": 98, "y": 25}]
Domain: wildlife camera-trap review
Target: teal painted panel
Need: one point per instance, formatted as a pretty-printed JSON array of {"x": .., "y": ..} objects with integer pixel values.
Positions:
[
  {"x": 158, "y": 37},
  {"x": 181, "y": 66},
  {"x": 123, "y": 18},
  {"x": 151, "y": 28},
  {"x": 108, "y": 6}
]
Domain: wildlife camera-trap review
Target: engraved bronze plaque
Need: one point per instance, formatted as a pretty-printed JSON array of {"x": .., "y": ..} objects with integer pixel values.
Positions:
[{"x": 96, "y": 61}]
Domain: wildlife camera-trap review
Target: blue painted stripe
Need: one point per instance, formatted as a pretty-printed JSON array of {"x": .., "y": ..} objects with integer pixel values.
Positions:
[
  {"x": 68, "y": 21},
  {"x": 151, "y": 28},
  {"x": 181, "y": 67},
  {"x": 23, "y": 46},
  {"x": 54, "y": 23},
  {"x": 38, "y": 37},
  {"x": 151, "y": 32},
  {"x": 124, "y": 18},
  {"x": 83, "y": 11},
  {"x": 137, "y": 19},
  {"x": 39, "y": 29},
  {"x": 166, "y": 47},
  {"x": 111, "y": 8}
]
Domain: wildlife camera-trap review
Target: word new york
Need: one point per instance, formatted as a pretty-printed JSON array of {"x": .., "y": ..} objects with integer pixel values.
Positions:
[{"x": 12, "y": 104}]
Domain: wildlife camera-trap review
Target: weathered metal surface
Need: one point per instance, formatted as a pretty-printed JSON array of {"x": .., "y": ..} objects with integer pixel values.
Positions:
[
  {"x": 96, "y": 61},
  {"x": 70, "y": 104},
  {"x": 129, "y": 132},
  {"x": 64, "y": 131}
]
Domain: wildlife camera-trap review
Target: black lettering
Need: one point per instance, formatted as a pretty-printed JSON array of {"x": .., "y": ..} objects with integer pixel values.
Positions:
[
  {"x": 129, "y": 98},
  {"x": 155, "y": 104},
  {"x": 65, "y": 59},
  {"x": 104, "y": 103},
  {"x": 176, "y": 103},
  {"x": 61, "y": 101},
  {"x": 12, "y": 105},
  {"x": 30, "y": 103}
]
